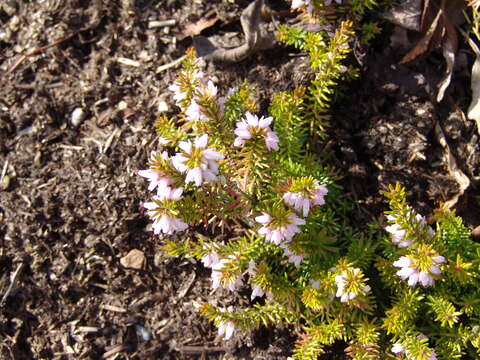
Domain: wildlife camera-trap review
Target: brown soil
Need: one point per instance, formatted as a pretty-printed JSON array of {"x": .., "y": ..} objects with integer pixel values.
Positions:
[{"x": 70, "y": 207}]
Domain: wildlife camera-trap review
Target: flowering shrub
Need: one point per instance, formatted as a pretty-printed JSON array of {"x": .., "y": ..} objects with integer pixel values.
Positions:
[{"x": 254, "y": 184}]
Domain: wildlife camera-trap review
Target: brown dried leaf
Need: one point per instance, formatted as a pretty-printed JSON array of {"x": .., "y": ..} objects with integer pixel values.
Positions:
[
  {"x": 425, "y": 44},
  {"x": 196, "y": 28},
  {"x": 256, "y": 38}
]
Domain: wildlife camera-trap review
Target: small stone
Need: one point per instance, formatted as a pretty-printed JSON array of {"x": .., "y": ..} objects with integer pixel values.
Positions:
[
  {"x": 162, "y": 107},
  {"x": 78, "y": 115},
  {"x": 5, "y": 183},
  {"x": 135, "y": 259},
  {"x": 122, "y": 105}
]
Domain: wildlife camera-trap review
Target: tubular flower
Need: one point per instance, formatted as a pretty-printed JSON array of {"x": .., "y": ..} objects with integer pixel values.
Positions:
[
  {"x": 217, "y": 276},
  {"x": 162, "y": 220},
  {"x": 198, "y": 162},
  {"x": 411, "y": 270},
  {"x": 225, "y": 328},
  {"x": 251, "y": 127},
  {"x": 399, "y": 234},
  {"x": 278, "y": 231},
  {"x": 292, "y": 257},
  {"x": 156, "y": 178},
  {"x": 296, "y": 4},
  {"x": 350, "y": 284},
  {"x": 307, "y": 197}
]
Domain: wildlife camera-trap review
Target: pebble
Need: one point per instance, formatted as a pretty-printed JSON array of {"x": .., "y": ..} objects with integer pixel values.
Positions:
[
  {"x": 78, "y": 115},
  {"x": 162, "y": 107}
]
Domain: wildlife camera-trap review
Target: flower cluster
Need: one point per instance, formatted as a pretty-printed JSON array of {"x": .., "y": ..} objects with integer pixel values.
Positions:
[
  {"x": 350, "y": 283},
  {"x": 198, "y": 162},
  {"x": 225, "y": 328},
  {"x": 412, "y": 270},
  {"x": 304, "y": 198},
  {"x": 428, "y": 354},
  {"x": 399, "y": 233},
  {"x": 252, "y": 128}
]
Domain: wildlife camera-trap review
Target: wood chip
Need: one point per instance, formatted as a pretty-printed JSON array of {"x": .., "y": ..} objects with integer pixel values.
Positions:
[
  {"x": 113, "y": 308},
  {"x": 128, "y": 62},
  {"x": 161, "y": 23}
]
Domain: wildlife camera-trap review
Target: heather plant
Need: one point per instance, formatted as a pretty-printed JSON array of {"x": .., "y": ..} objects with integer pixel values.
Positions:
[{"x": 253, "y": 200}]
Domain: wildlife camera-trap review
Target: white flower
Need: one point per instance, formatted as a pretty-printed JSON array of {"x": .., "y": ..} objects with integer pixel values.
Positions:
[
  {"x": 344, "y": 290},
  {"x": 226, "y": 329},
  {"x": 257, "y": 291},
  {"x": 398, "y": 349},
  {"x": 197, "y": 161},
  {"x": 306, "y": 199},
  {"x": 292, "y": 257},
  {"x": 217, "y": 277},
  {"x": 210, "y": 260},
  {"x": 251, "y": 127},
  {"x": 163, "y": 222},
  {"x": 329, "y": 2},
  {"x": 279, "y": 233},
  {"x": 299, "y": 3},
  {"x": 411, "y": 271}
]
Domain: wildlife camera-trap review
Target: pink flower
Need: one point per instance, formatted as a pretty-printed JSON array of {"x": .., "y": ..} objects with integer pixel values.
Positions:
[
  {"x": 197, "y": 161},
  {"x": 411, "y": 271},
  {"x": 156, "y": 177},
  {"x": 225, "y": 327},
  {"x": 257, "y": 291},
  {"x": 296, "y": 4},
  {"x": 279, "y": 233},
  {"x": 398, "y": 349},
  {"x": 194, "y": 112},
  {"x": 344, "y": 290},
  {"x": 307, "y": 198},
  {"x": 251, "y": 127},
  {"x": 218, "y": 277},
  {"x": 292, "y": 257},
  {"x": 399, "y": 235},
  {"x": 163, "y": 222},
  {"x": 178, "y": 95},
  {"x": 210, "y": 260}
]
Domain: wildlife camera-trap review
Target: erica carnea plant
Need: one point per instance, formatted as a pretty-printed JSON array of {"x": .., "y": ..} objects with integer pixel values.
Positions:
[{"x": 252, "y": 201}]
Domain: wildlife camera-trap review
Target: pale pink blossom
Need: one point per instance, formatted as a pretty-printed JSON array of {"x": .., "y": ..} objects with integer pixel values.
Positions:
[
  {"x": 155, "y": 177},
  {"x": 279, "y": 233},
  {"x": 218, "y": 277},
  {"x": 210, "y": 260},
  {"x": 399, "y": 235},
  {"x": 344, "y": 290},
  {"x": 251, "y": 127},
  {"x": 252, "y": 268},
  {"x": 163, "y": 222},
  {"x": 305, "y": 200},
  {"x": 225, "y": 328},
  {"x": 197, "y": 161},
  {"x": 292, "y": 257},
  {"x": 178, "y": 95},
  {"x": 296, "y": 4},
  {"x": 257, "y": 291},
  {"x": 194, "y": 112},
  {"x": 398, "y": 349},
  {"x": 411, "y": 271}
]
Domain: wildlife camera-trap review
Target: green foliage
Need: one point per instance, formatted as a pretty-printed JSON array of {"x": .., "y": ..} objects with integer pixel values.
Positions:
[{"x": 415, "y": 287}]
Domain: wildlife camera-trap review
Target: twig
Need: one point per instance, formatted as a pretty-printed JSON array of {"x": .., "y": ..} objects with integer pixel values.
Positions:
[
  {"x": 40, "y": 49},
  {"x": 170, "y": 65},
  {"x": 4, "y": 171},
  {"x": 12, "y": 282}
]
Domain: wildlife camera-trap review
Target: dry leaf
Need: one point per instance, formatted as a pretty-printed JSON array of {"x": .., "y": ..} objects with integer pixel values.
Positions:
[
  {"x": 256, "y": 38},
  {"x": 407, "y": 14},
  {"x": 193, "y": 29},
  {"x": 452, "y": 167}
]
